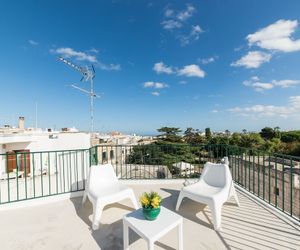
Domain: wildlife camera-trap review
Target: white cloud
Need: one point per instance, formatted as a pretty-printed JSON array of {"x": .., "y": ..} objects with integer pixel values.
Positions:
[
  {"x": 32, "y": 42},
  {"x": 171, "y": 24},
  {"x": 111, "y": 66},
  {"x": 255, "y": 78},
  {"x": 160, "y": 67},
  {"x": 93, "y": 50},
  {"x": 286, "y": 83},
  {"x": 236, "y": 49},
  {"x": 183, "y": 82},
  {"x": 83, "y": 56},
  {"x": 192, "y": 70},
  {"x": 78, "y": 55},
  {"x": 193, "y": 36},
  {"x": 155, "y": 85},
  {"x": 252, "y": 60},
  {"x": 155, "y": 93},
  {"x": 169, "y": 12},
  {"x": 208, "y": 60},
  {"x": 175, "y": 20},
  {"x": 187, "y": 13},
  {"x": 214, "y": 111},
  {"x": 292, "y": 109},
  {"x": 276, "y": 36},
  {"x": 196, "y": 30},
  {"x": 259, "y": 86}
]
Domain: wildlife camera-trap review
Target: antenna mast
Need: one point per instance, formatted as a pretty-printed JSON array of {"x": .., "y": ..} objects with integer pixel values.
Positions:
[
  {"x": 88, "y": 74},
  {"x": 36, "y": 115}
]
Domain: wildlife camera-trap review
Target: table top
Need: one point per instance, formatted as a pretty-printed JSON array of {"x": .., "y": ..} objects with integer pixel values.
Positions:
[{"x": 165, "y": 221}]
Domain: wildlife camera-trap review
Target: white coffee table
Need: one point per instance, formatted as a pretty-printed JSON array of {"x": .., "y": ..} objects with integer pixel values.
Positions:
[{"x": 151, "y": 231}]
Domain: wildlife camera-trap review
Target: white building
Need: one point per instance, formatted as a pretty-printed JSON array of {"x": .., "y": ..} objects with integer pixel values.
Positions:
[{"x": 19, "y": 147}]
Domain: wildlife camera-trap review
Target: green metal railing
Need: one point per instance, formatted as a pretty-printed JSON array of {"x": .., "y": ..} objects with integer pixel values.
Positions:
[
  {"x": 30, "y": 175},
  {"x": 272, "y": 178}
]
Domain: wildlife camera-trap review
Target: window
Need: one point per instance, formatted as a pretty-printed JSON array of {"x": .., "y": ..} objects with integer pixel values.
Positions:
[
  {"x": 104, "y": 156},
  {"x": 111, "y": 154}
]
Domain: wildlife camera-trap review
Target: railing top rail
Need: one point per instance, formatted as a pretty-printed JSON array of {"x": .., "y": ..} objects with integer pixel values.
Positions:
[
  {"x": 263, "y": 151},
  {"x": 289, "y": 157}
]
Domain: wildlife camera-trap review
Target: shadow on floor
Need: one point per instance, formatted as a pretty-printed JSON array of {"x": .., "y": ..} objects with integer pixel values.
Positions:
[
  {"x": 189, "y": 210},
  {"x": 108, "y": 236},
  {"x": 240, "y": 229}
]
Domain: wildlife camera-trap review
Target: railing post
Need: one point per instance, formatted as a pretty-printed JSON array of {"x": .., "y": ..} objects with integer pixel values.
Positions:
[
  {"x": 263, "y": 172},
  {"x": 291, "y": 186},
  {"x": 282, "y": 171},
  {"x": 276, "y": 181},
  {"x": 8, "y": 184},
  {"x": 269, "y": 181}
]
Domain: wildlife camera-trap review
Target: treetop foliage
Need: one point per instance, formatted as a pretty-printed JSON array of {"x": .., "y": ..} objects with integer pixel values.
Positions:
[{"x": 268, "y": 139}]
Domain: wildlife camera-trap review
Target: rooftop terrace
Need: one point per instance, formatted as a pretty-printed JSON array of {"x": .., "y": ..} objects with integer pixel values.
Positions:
[
  {"x": 267, "y": 219},
  {"x": 66, "y": 224}
]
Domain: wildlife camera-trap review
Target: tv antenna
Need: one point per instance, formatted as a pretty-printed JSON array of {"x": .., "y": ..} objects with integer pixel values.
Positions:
[{"x": 88, "y": 74}]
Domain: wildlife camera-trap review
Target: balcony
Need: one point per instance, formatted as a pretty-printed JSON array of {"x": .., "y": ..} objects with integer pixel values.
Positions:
[{"x": 42, "y": 208}]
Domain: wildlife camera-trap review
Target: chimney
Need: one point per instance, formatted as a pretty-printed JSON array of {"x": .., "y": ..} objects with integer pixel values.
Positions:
[{"x": 21, "y": 124}]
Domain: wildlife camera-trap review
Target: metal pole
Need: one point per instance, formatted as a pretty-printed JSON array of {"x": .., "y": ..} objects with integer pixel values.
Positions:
[
  {"x": 92, "y": 105},
  {"x": 36, "y": 115}
]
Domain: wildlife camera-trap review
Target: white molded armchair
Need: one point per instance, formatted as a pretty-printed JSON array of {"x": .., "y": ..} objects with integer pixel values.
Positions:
[
  {"x": 214, "y": 188},
  {"x": 103, "y": 188}
]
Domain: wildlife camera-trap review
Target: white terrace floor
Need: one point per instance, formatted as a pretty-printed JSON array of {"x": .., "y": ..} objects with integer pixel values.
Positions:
[{"x": 66, "y": 225}]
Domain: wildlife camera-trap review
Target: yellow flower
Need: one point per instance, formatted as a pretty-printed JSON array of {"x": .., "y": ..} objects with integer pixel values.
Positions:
[
  {"x": 145, "y": 202},
  {"x": 150, "y": 200},
  {"x": 155, "y": 202}
]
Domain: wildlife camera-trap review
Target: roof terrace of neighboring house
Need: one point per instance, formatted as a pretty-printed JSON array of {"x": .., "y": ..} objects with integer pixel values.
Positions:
[{"x": 276, "y": 162}]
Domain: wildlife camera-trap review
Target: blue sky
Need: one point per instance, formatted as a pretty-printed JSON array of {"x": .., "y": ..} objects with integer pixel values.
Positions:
[{"x": 220, "y": 64}]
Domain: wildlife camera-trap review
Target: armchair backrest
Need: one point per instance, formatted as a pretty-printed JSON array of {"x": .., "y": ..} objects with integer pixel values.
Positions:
[
  {"x": 217, "y": 175},
  {"x": 101, "y": 175}
]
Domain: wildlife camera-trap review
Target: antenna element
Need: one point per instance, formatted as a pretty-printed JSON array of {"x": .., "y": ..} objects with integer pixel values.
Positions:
[{"x": 88, "y": 74}]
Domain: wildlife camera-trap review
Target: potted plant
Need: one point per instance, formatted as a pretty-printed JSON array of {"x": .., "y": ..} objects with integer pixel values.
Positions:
[{"x": 151, "y": 205}]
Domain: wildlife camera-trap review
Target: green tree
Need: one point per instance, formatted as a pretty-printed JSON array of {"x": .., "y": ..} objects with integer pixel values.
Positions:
[
  {"x": 277, "y": 132},
  {"x": 272, "y": 145},
  {"x": 291, "y": 148},
  {"x": 207, "y": 133},
  {"x": 290, "y": 136},
  {"x": 253, "y": 141},
  {"x": 227, "y": 132},
  {"x": 267, "y": 133},
  {"x": 221, "y": 139},
  {"x": 192, "y": 136},
  {"x": 235, "y": 139},
  {"x": 170, "y": 134},
  {"x": 189, "y": 132},
  {"x": 164, "y": 153}
]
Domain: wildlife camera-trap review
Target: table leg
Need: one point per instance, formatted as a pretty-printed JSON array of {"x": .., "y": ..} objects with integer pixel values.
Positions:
[
  {"x": 125, "y": 236},
  {"x": 150, "y": 245},
  {"x": 180, "y": 237}
]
